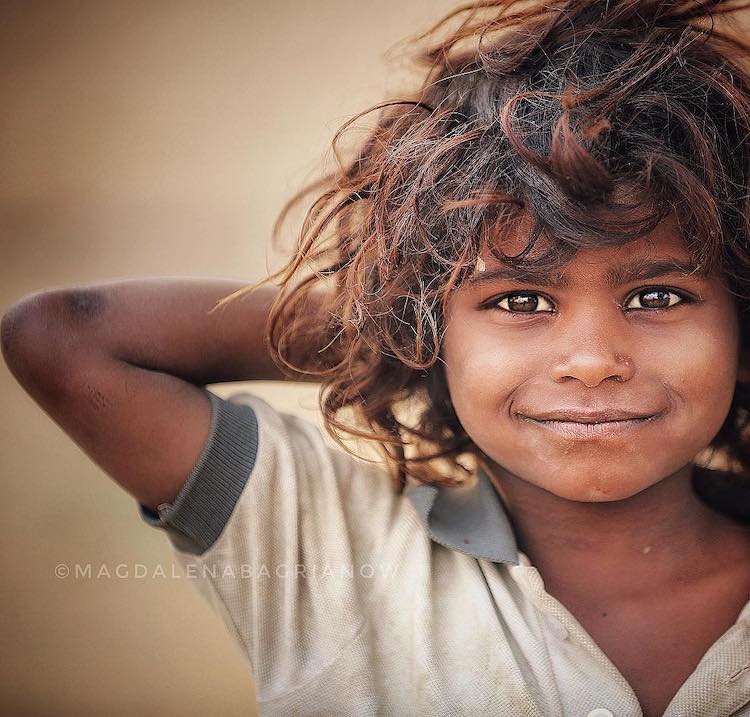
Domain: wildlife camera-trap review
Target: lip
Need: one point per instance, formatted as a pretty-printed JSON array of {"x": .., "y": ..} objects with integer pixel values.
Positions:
[
  {"x": 589, "y": 430},
  {"x": 587, "y": 424},
  {"x": 604, "y": 415}
]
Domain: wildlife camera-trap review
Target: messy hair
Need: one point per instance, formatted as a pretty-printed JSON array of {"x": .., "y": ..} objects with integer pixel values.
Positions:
[{"x": 598, "y": 120}]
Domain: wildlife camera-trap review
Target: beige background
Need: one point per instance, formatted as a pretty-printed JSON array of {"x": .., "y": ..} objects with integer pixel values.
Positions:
[{"x": 147, "y": 138}]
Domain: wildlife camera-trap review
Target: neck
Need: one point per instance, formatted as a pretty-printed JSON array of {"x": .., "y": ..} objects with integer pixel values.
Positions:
[{"x": 661, "y": 536}]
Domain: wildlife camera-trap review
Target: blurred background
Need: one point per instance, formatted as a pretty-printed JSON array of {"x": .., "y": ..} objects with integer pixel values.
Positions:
[{"x": 148, "y": 138}]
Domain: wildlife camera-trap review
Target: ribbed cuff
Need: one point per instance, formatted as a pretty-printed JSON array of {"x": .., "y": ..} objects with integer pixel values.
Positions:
[{"x": 199, "y": 513}]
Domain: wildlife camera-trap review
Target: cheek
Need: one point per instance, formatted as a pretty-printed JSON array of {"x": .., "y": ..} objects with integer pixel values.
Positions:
[
  {"x": 483, "y": 373},
  {"x": 704, "y": 370}
]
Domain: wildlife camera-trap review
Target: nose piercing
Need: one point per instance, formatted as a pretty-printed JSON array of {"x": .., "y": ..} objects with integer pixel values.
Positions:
[{"x": 623, "y": 360}]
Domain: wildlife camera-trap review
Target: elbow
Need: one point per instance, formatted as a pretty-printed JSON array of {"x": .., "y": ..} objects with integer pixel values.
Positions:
[
  {"x": 31, "y": 339},
  {"x": 45, "y": 335},
  {"x": 16, "y": 327}
]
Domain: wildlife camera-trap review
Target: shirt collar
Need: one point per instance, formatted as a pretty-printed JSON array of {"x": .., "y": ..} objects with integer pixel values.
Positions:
[{"x": 470, "y": 519}]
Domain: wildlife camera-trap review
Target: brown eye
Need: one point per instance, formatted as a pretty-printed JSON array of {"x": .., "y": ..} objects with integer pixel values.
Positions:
[
  {"x": 526, "y": 302},
  {"x": 656, "y": 299}
]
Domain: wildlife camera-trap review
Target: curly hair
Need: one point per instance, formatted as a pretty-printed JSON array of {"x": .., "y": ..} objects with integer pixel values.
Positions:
[{"x": 598, "y": 120}]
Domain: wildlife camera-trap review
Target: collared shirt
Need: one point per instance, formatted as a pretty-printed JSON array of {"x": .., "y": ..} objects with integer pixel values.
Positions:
[{"x": 349, "y": 599}]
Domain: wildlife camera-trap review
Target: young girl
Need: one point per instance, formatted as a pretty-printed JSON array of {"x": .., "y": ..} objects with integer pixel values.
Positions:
[{"x": 529, "y": 286}]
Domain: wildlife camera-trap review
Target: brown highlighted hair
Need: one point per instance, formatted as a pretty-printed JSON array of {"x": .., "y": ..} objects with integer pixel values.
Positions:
[{"x": 598, "y": 120}]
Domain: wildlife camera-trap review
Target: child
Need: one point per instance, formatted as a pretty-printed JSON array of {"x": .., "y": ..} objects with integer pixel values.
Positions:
[{"x": 529, "y": 285}]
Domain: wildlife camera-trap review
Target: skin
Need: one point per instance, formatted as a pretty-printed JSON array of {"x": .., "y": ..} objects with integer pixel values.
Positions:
[{"x": 590, "y": 510}]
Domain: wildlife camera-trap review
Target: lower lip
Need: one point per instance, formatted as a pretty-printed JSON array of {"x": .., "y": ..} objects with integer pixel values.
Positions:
[{"x": 594, "y": 431}]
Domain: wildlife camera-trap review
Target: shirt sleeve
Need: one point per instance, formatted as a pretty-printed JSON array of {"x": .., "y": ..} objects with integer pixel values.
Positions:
[
  {"x": 199, "y": 513},
  {"x": 290, "y": 539}
]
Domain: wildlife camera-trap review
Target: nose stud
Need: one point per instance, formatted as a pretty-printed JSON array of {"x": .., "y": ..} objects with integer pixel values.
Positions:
[{"x": 625, "y": 361}]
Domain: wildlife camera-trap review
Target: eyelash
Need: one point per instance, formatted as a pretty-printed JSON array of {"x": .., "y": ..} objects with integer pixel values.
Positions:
[{"x": 684, "y": 299}]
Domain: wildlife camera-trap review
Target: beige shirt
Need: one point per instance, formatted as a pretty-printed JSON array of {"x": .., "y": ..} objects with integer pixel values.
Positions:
[{"x": 348, "y": 599}]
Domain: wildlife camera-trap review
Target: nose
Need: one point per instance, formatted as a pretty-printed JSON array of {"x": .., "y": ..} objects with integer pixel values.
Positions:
[{"x": 594, "y": 354}]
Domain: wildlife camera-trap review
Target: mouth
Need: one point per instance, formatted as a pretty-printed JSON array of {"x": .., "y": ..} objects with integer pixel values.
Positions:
[{"x": 589, "y": 429}]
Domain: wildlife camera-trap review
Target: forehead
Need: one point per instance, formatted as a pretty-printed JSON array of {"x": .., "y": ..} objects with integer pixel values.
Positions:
[{"x": 664, "y": 249}]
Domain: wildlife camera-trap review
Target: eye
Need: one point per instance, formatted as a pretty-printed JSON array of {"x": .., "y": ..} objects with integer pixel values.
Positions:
[
  {"x": 656, "y": 298},
  {"x": 523, "y": 302}
]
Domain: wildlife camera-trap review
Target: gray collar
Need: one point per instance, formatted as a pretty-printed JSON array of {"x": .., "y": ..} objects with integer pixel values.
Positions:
[{"x": 470, "y": 519}]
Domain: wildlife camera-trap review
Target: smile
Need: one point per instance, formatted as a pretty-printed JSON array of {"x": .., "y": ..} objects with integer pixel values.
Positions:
[{"x": 593, "y": 431}]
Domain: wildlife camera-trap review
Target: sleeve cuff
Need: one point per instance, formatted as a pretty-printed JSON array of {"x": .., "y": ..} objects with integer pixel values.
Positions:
[{"x": 199, "y": 513}]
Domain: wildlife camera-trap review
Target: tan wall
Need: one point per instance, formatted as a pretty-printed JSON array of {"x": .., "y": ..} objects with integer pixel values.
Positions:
[{"x": 147, "y": 138}]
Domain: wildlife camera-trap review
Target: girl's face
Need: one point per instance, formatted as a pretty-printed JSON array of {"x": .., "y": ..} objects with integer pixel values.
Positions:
[{"x": 602, "y": 383}]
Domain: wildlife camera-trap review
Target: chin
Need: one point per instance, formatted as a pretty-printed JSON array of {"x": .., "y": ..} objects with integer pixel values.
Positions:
[{"x": 601, "y": 491}]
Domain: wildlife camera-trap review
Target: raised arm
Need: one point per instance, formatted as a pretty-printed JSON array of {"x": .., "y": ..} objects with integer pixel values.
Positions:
[{"x": 119, "y": 366}]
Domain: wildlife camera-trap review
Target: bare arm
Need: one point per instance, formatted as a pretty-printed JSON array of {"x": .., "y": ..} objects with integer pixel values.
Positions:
[{"x": 118, "y": 367}]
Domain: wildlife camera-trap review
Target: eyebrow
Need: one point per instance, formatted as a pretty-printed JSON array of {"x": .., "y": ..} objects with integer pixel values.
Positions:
[{"x": 633, "y": 270}]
